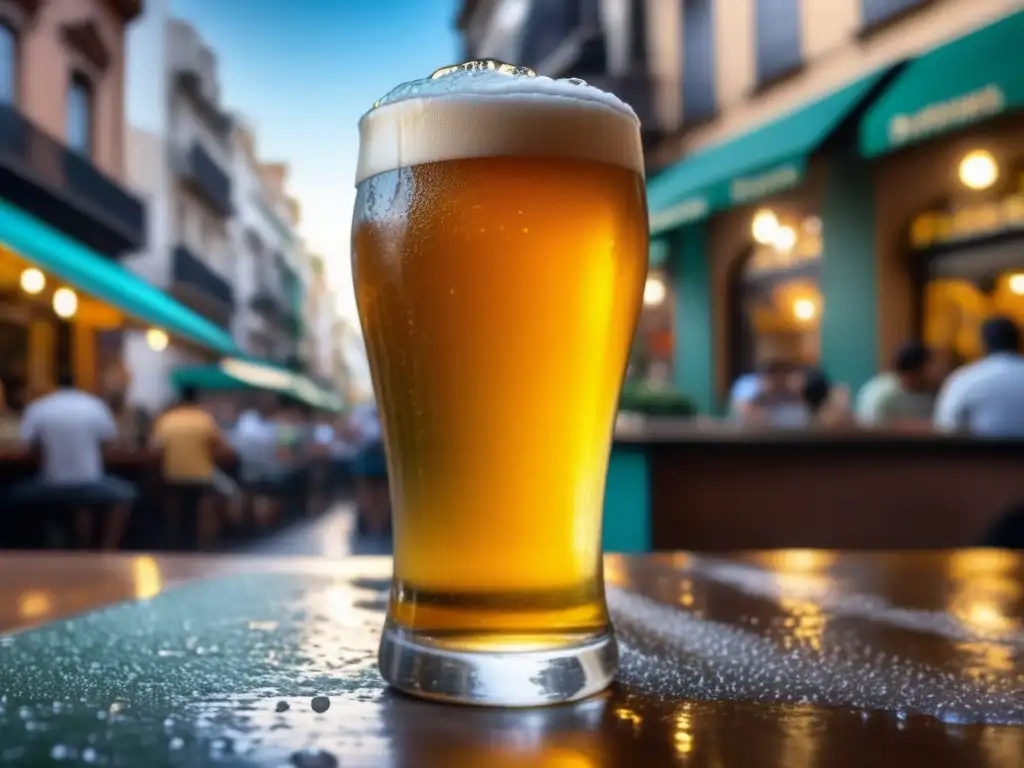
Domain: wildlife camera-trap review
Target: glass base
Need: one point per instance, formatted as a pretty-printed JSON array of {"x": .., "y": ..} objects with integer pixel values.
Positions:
[{"x": 528, "y": 678}]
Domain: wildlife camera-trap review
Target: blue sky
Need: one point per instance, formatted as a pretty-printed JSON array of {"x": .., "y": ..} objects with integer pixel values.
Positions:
[{"x": 303, "y": 71}]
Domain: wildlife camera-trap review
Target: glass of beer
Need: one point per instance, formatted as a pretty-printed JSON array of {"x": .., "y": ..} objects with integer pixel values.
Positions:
[{"x": 499, "y": 257}]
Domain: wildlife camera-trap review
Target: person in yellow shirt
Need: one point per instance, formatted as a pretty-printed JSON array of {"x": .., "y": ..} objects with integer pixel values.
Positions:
[{"x": 189, "y": 442}]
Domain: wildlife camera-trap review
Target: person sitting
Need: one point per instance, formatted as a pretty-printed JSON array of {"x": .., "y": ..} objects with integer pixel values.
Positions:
[
  {"x": 827, "y": 405},
  {"x": 986, "y": 398},
  {"x": 70, "y": 429},
  {"x": 189, "y": 441},
  {"x": 778, "y": 399},
  {"x": 902, "y": 398}
]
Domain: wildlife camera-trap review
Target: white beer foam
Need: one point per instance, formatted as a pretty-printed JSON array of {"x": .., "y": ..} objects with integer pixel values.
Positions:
[{"x": 485, "y": 109}]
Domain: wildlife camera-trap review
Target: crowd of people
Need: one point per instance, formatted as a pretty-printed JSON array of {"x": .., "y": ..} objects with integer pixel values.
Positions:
[
  {"x": 921, "y": 392},
  {"x": 280, "y": 453}
]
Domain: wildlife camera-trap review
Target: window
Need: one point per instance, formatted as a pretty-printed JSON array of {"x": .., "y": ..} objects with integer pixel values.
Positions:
[
  {"x": 778, "y": 39},
  {"x": 80, "y": 114},
  {"x": 8, "y": 65},
  {"x": 881, "y": 11},
  {"x": 698, "y": 61},
  {"x": 778, "y": 299},
  {"x": 966, "y": 286},
  {"x": 548, "y": 25}
]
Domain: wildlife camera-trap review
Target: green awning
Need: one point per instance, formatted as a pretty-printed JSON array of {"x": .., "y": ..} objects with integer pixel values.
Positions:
[
  {"x": 963, "y": 82},
  {"x": 106, "y": 280},
  {"x": 236, "y": 373},
  {"x": 240, "y": 374},
  {"x": 757, "y": 164}
]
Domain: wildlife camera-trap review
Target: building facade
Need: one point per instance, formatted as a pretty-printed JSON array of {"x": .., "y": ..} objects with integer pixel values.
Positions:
[
  {"x": 267, "y": 323},
  {"x": 828, "y": 180},
  {"x": 184, "y": 170},
  {"x": 66, "y": 213},
  {"x": 320, "y": 316}
]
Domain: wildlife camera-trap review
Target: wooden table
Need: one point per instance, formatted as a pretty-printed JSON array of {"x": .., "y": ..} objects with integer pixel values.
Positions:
[{"x": 786, "y": 658}]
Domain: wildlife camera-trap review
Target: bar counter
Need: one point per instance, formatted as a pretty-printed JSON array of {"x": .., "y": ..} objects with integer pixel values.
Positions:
[{"x": 715, "y": 487}]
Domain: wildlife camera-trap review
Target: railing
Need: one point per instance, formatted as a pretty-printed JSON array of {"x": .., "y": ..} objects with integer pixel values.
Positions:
[
  {"x": 189, "y": 269},
  {"x": 38, "y": 159},
  {"x": 208, "y": 178},
  {"x": 219, "y": 122}
]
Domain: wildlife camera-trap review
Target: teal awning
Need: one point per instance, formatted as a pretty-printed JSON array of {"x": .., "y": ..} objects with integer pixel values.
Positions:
[
  {"x": 106, "y": 280},
  {"x": 968, "y": 80},
  {"x": 241, "y": 374},
  {"x": 757, "y": 164}
]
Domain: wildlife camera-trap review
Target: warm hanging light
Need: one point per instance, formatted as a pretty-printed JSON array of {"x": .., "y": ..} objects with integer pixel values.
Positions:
[
  {"x": 1016, "y": 284},
  {"x": 65, "y": 303},
  {"x": 804, "y": 310},
  {"x": 157, "y": 340},
  {"x": 764, "y": 226},
  {"x": 654, "y": 292},
  {"x": 978, "y": 169},
  {"x": 32, "y": 281},
  {"x": 785, "y": 239}
]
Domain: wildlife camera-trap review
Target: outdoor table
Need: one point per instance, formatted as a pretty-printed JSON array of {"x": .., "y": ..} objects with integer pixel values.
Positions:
[{"x": 783, "y": 658}]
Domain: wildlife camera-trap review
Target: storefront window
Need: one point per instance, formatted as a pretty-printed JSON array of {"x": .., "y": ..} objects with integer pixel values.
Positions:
[
  {"x": 779, "y": 301},
  {"x": 651, "y": 356},
  {"x": 956, "y": 307},
  {"x": 972, "y": 259}
]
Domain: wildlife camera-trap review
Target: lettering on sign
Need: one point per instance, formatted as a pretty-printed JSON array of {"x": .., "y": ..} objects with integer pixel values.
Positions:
[
  {"x": 682, "y": 213},
  {"x": 744, "y": 190},
  {"x": 945, "y": 115},
  {"x": 937, "y": 228}
]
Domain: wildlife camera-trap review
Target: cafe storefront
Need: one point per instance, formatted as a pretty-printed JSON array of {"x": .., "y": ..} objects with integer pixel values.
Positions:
[
  {"x": 947, "y": 138},
  {"x": 63, "y": 306},
  {"x": 750, "y": 224},
  {"x": 887, "y": 210}
]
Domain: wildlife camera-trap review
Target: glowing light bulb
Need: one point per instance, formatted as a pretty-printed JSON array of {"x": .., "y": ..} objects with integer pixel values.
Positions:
[
  {"x": 654, "y": 292},
  {"x": 65, "y": 303},
  {"x": 1016, "y": 284},
  {"x": 785, "y": 239},
  {"x": 764, "y": 226},
  {"x": 157, "y": 340},
  {"x": 32, "y": 281},
  {"x": 978, "y": 170},
  {"x": 804, "y": 310}
]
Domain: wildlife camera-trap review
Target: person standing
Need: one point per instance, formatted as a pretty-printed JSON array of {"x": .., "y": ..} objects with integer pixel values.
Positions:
[
  {"x": 189, "y": 442},
  {"x": 986, "y": 398},
  {"x": 70, "y": 429},
  {"x": 903, "y": 397}
]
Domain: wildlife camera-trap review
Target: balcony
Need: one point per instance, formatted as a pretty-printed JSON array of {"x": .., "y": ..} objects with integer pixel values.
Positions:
[
  {"x": 274, "y": 305},
  {"x": 195, "y": 284},
  {"x": 43, "y": 177},
  {"x": 207, "y": 179},
  {"x": 219, "y": 123}
]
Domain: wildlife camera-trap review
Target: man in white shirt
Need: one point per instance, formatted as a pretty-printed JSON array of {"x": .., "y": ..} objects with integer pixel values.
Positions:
[
  {"x": 69, "y": 429},
  {"x": 986, "y": 398}
]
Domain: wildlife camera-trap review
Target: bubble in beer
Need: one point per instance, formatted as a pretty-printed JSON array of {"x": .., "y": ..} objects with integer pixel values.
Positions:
[
  {"x": 493, "y": 77},
  {"x": 485, "y": 65}
]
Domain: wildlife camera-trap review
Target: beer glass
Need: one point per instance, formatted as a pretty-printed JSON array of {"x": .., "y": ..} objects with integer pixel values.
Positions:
[{"x": 499, "y": 256}]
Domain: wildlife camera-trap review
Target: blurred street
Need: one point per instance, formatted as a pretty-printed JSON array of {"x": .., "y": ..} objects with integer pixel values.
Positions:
[{"x": 332, "y": 534}]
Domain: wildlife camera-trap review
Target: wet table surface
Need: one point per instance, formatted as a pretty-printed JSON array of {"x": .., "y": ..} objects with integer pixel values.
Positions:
[{"x": 793, "y": 658}]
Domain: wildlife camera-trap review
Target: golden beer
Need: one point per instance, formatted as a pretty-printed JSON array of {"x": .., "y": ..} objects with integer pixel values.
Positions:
[{"x": 499, "y": 256}]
